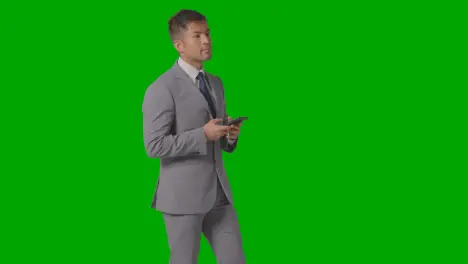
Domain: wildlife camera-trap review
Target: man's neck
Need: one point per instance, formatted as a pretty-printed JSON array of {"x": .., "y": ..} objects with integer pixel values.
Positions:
[{"x": 196, "y": 65}]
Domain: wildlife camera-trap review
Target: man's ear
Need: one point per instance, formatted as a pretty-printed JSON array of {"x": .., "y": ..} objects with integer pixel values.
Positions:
[{"x": 178, "y": 45}]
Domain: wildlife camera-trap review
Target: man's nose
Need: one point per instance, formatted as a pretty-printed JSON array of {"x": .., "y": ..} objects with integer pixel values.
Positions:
[{"x": 205, "y": 39}]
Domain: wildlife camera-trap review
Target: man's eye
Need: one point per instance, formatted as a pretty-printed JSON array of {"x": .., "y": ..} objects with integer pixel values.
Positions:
[{"x": 197, "y": 36}]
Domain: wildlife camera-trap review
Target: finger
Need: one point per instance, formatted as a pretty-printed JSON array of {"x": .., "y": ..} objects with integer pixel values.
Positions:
[
  {"x": 225, "y": 130},
  {"x": 216, "y": 120},
  {"x": 222, "y": 129},
  {"x": 231, "y": 133}
]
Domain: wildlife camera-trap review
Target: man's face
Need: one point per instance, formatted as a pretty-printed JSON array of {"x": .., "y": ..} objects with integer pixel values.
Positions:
[{"x": 195, "y": 43}]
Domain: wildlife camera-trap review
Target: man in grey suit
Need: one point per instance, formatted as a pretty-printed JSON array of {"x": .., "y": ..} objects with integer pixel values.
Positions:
[{"x": 183, "y": 113}]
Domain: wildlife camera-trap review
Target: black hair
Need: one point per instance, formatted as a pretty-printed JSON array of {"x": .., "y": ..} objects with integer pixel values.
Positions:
[{"x": 181, "y": 20}]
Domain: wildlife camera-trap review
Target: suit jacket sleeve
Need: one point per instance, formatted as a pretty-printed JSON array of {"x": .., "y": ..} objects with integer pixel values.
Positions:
[
  {"x": 227, "y": 145},
  {"x": 158, "y": 117}
]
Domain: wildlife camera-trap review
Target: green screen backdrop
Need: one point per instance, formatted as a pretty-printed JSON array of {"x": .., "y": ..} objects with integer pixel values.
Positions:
[{"x": 349, "y": 154}]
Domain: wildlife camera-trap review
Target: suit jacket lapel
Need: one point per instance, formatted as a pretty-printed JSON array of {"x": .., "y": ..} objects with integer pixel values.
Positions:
[
  {"x": 216, "y": 93},
  {"x": 185, "y": 79}
]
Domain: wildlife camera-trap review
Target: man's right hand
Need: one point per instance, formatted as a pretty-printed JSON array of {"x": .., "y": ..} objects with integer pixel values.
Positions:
[{"x": 213, "y": 131}]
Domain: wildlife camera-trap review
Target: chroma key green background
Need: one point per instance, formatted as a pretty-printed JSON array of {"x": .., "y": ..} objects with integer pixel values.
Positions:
[{"x": 353, "y": 151}]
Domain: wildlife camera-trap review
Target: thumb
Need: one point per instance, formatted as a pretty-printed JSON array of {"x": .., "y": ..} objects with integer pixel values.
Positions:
[{"x": 216, "y": 120}]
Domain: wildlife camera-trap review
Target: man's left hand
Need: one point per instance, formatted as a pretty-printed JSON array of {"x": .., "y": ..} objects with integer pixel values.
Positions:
[{"x": 234, "y": 131}]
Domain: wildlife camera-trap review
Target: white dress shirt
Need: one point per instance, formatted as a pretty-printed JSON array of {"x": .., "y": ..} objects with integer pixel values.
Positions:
[{"x": 193, "y": 72}]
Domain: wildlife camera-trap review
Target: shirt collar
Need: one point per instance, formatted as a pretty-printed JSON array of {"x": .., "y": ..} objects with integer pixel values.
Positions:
[{"x": 191, "y": 71}]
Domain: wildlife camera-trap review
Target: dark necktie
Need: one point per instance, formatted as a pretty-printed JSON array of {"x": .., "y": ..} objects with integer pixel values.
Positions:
[{"x": 206, "y": 94}]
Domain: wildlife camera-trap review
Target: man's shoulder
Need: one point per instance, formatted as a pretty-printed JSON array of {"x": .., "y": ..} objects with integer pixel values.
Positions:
[
  {"x": 163, "y": 80},
  {"x": 213, "y": 76}
]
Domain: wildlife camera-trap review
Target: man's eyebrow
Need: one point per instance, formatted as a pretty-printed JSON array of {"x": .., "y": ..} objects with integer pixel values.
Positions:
[{"x": 198, "y": 32}]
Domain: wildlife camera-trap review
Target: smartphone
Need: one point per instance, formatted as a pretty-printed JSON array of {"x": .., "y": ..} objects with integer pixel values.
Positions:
[{"x": 235, "y": 121}]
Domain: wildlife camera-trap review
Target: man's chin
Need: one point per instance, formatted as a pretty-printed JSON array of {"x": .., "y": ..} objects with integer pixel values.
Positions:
[{"x": 207, "y": 57}]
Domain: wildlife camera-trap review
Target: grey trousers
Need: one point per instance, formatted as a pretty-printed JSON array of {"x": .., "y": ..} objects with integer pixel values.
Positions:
[{"x": 220, "y": 227}]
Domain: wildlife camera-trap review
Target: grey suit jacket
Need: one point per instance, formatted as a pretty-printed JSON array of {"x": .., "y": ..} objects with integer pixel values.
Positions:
[{"x": 174, "y": 113}]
